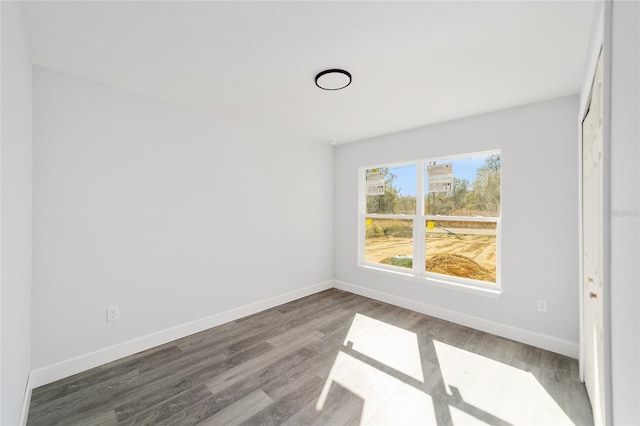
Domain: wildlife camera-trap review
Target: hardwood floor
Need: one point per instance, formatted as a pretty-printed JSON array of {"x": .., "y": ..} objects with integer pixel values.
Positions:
[{"x": 332, "y": 358}]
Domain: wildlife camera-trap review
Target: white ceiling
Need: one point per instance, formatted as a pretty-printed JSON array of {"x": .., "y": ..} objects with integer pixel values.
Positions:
[{"x": 413, "y": 63}]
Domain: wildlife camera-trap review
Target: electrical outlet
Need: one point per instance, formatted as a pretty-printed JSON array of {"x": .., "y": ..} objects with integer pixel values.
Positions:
[
  {"x": 542, "y": 305},
  {"x": 113, "y": 313}
]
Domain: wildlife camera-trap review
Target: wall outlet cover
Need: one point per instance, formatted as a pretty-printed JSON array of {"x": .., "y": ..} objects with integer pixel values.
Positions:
[
  {"x": 542, "y": 305},
  {"x": 113, "y": 313}
]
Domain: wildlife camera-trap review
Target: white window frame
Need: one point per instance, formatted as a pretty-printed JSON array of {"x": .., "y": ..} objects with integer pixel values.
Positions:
[{"x": 418, "y": 272}]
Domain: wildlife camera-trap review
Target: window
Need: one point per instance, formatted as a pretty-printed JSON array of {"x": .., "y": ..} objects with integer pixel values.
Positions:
[{"x": 449, "y": 234}]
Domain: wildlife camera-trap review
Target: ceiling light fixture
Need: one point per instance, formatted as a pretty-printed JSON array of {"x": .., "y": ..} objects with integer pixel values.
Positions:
[{"x": 333, "y": 79}]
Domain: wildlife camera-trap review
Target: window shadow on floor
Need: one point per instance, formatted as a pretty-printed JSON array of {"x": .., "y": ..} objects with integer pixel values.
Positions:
[{"x": 461, "y": 376}]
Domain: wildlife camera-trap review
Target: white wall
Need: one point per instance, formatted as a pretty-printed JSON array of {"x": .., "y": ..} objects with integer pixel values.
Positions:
[
  {"x": 15, "y": 213},
  {"x": 539, "y": 218},
  {"x": 170, "y": 214},
  {"x": 623, "y": 25}
]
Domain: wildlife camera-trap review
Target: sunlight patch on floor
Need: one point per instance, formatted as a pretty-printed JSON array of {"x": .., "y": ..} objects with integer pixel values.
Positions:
[
  {"x": 383, "y": 366},
  {"x": 390, "y": 345},
  {"x": 387, "y": 400},
  {"x": 505, "y": 392},
  {"x": 459, "y": 417}
]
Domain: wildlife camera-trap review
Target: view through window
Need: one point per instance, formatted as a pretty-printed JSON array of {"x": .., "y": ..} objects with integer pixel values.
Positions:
[{"x": 451, "y": 230}]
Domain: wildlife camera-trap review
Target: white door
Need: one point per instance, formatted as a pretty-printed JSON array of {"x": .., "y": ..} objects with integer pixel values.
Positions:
[{"x": 592, "y": 210}]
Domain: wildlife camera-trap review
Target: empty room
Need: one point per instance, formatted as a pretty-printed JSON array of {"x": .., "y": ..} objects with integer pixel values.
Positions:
[{"x": 320, "y": 212}]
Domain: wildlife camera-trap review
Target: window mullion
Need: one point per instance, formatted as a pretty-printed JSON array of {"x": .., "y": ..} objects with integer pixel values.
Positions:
[
  {"x": 419, "y": 234},
  {"x": 362, "y": 214}
]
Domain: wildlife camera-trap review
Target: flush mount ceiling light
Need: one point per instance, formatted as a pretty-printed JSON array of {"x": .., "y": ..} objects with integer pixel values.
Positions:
[{"x": 333, "y": 79}]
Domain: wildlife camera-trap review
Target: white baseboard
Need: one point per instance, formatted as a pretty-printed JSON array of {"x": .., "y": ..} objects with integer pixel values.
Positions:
[
  {"x": 60, "y": 370},
  {"x": 26, "y": 401},
  {"x": 549, "y": 343}
]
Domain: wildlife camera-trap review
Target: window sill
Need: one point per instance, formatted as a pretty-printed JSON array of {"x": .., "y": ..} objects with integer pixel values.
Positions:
[{"x": 493, "y": 293}]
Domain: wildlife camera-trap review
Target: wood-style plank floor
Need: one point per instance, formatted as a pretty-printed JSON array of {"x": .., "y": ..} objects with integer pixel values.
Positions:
[{"x": 333, "y": 358}]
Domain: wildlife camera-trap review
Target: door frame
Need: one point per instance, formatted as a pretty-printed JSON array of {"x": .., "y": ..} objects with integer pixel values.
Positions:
[{"x": 601, "y": 43}]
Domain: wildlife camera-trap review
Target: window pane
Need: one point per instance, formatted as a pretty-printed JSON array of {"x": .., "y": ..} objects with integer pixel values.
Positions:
[
  {"x": 391, "y": 190},
  {"x": 389, "y": 241},
  {"x": 462, "y": 249},
  {"x": 463, "y": 186}
]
